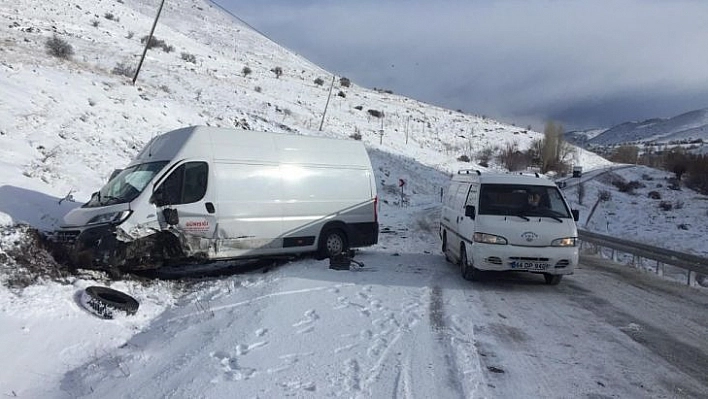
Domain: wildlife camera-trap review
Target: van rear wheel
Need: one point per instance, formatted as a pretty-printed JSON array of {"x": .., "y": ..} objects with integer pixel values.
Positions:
[
  {"x": 332, "y": 243},
  {"x": 469, "y": 272}
]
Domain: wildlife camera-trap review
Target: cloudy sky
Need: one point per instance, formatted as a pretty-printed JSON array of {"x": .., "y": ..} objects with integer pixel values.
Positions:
[{"x": 586, "y": 64}]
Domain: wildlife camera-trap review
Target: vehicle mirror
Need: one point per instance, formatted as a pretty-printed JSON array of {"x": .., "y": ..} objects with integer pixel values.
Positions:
[
  {"x": 576, "y": 214},
  {"x": 157, "y": 197},
  {"x": 469, "y": 211},
  {"x": 171, "y": 217}
]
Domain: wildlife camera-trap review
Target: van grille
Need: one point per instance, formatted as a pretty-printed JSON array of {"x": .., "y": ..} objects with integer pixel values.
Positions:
[
  {"x": 562, "y": 263},
  {"x": 66, "y": 236}
]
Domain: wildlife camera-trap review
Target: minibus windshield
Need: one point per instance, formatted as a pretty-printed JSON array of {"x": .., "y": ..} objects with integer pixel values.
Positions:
[
  {"x": 126, "y": 185},
  {"x": 522, "y": 200}
]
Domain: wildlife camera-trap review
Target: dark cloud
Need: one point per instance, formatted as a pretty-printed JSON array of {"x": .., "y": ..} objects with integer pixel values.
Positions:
[{"x": 586, "y": 64}]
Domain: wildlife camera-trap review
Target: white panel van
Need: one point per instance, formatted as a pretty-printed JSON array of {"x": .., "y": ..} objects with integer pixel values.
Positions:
[
  {"x": 205, "y": 193},
  {"x": 508, "y": 222}
]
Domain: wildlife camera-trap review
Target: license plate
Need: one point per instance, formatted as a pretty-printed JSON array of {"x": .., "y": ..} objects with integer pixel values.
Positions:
[{"x": 526, "y": 265}]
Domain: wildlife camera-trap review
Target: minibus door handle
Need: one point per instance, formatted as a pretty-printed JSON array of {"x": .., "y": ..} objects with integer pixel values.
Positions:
[{"x": 210, "y": 207}]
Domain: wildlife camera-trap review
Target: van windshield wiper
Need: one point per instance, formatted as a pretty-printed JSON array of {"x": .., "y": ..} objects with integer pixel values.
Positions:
[
  {"x": 544, "y": 212},
  {"x": 104, "y": 199},
  {"x": 521, "y": 215}
]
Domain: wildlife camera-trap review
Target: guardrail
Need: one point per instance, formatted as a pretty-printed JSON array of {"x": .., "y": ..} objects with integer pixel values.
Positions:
[{"x": 692, "y": 263}]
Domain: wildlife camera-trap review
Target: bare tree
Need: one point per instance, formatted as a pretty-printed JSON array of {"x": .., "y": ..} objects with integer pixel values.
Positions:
[{"x": 554, "y": 151}]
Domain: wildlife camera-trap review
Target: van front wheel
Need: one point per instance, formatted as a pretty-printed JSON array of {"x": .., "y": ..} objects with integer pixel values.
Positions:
[
  {"x": 552, "y": 279},
  {"x": 469, "y": 272},
  {"x": 444, "y": 246},
  {"x": 332, "y": 243}
]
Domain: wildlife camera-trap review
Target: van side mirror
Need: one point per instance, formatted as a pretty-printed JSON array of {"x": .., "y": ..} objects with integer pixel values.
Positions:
[
  {"x": 576, "y": 214},
  {"x": 171, "y": 217},
  {"x": 158, "y": 198},
  {"x": 469, "y": 211}
]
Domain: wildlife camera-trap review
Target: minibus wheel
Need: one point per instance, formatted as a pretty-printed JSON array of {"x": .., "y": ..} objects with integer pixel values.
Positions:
[
  {"x": 552, "y": 279},
  {"x": 444, "y": 246},
  {"x": 469, "y": 272}
]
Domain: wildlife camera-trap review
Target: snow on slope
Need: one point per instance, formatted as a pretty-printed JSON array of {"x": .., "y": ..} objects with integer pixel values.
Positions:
[{"x": 67, "y": 124}]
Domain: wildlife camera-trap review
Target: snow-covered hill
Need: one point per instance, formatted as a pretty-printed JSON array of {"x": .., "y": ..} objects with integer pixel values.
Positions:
[
  {"x": 687, "y": 128},
  {"x": 66, "y": 124}
]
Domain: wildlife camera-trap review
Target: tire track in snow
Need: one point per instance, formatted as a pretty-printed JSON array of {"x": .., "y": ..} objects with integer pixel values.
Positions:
[{"x": 444, "y": 339}]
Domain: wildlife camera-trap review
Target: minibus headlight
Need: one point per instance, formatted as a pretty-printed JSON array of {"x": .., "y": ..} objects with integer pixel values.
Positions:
[
  {"x": 564, "y": 242},
  {"x": 112, "y": 217},
  {"x": 489, "y": 239}
]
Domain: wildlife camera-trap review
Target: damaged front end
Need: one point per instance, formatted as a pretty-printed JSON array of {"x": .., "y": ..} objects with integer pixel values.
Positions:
[{"x": 107, "y": 247}]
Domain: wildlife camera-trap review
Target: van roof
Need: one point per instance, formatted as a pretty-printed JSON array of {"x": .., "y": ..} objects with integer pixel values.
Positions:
[
  {"x": 502, "y": 178},
  {"x": 227, "y": 144}
]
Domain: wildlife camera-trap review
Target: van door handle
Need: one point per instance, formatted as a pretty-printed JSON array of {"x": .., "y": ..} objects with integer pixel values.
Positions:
[{"x": 210, "y": 207}]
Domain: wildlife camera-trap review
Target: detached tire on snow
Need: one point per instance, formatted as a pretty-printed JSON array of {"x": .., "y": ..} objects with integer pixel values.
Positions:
[{"x": 104, "y": 302}]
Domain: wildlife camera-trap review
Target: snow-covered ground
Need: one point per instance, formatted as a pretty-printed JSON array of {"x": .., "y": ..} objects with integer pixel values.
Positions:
[{"x": 300, "y": 329}]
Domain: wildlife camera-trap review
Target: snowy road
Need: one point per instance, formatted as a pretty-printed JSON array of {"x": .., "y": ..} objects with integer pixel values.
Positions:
[{"x": 407, "y": 326}]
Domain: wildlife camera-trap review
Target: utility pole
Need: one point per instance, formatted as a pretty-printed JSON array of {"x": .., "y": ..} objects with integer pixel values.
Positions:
[
  {"x": 381, "y": 131},
  {"x": 147, "y": 43},
  {"x": 327, "y": 103}
]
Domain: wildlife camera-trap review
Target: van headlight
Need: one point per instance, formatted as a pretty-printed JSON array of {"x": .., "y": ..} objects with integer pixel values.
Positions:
[
  {"x": 565, "y": 242},
  {"x": 113, "y": 217},
  {"x": 489, "y": 239}
]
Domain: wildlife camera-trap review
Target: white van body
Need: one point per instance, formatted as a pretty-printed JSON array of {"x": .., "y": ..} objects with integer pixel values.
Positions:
[
  {"x": 214, "y": 193},
  {"x": 487, "y": 223}
]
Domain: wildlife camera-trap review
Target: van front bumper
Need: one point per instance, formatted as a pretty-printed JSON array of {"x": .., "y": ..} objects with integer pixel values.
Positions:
[{"x": 553, "y": 260}]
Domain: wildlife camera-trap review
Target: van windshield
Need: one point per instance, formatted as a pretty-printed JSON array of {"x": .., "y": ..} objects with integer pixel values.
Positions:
[
  {"x": 522, "y": 200},
  {"x": 126, "y": 185}
]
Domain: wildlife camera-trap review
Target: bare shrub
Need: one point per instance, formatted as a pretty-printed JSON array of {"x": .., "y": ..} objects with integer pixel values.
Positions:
[
  {"x": 155, "y": 42},
  {"x": 665, "y": 205},
  {"x": 109, "y": 16},
  {"x": 246, "y": 71},
  {"x": 512, "y": 158},
  {"x": 654, "y": 195},
  {"x": 604, "y": 195},
  {"x": 130, "y": 35},
  {"x": 341, "y": 94},
  {"x": 674, "y": 184},
  {"x": 485, "y": 156},
  {"x": 463, "y": 158},
  {"x": 375, "y": 113},
  {"x": 356, "y": 136},
  {"x": 683, "y": 226},
  {"x": 344, "y": 82},
  {"x": 123, "y": 69},
  {"x": 627, "y": 187},
  {"x": 95, "y": 23},
  {"x": 278, "y": 71},
  {"x": 59, "y": 48},
  {"x": 257, "y": 89},
  {"x": 319, "y": 81},
  {"x": 189, "y": 58}
]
